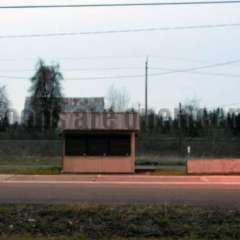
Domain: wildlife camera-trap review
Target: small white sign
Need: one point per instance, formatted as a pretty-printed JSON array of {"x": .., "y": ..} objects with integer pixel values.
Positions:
[{"x": 189, "y": 150}]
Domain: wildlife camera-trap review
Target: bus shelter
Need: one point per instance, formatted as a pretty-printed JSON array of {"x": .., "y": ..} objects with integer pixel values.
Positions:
[{"x": 99, "y": 142}]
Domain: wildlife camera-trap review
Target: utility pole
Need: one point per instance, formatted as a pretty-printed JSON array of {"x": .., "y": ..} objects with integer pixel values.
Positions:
[
  {"x": 180, "y": 127},
  {"x": 180, "y": 115},
  {"x": 146, "y": 93}
]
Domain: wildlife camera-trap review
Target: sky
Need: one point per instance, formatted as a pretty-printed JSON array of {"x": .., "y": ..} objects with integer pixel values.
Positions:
[{"x": 87, "y": 60}]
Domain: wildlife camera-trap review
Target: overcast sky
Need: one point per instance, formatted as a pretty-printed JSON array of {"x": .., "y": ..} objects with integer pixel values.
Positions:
[{"x": 176, "y": 49}]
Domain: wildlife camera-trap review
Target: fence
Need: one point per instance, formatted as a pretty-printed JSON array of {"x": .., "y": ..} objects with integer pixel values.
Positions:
[{"x": 152, "y": 148}]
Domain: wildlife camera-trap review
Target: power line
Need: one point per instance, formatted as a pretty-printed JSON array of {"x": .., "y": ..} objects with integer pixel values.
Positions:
[
  {"x": 84, "y": 78},
  {"x": 120, "y": 4},
  {"x": 101, "y": 57},
  {"x": 142, "y": 75},
  {"x": 229, "y": 105},
  {"x": 135, "y": 30},
  {"x": 198, "y": 68},
  {"x": 77, "y": 69},
  {"x": 202, "y": 73},
  {"x": 112, "y": 57},
  {"x": 12, "y": 77},
  {"x": 127, "y": 68},
  {"x": 72, "y": 58},
  {"x": 123, "y": 31}
]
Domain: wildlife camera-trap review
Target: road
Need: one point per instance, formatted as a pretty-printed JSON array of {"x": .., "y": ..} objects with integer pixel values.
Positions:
[{"x": 214, "y": 191}]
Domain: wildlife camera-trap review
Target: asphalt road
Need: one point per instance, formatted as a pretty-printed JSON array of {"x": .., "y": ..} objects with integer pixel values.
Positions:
[{"x": 218, "y": 192}]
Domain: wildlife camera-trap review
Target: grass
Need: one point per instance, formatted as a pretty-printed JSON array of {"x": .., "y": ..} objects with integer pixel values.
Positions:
[
  {"x": 57, "y": 171},
  {"x": 32, "y": 171},
  {"x": 52, "y": 165},
  {"x": 84, "y": 238},
  {"x": 12, "y": 160},
  {"x": 30, "y": 165},
  {"x": 119, "y": 222},
  {"x": 28, "y": 160}
]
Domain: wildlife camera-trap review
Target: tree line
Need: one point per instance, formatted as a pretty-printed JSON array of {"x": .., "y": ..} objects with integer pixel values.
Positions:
[
  {"x": 193, "y": 122},
  {"x": 46, "y": 103}
]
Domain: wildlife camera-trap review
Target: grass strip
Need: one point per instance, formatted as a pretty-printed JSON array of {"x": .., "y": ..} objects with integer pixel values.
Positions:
[{"x": 117, "y": 222}]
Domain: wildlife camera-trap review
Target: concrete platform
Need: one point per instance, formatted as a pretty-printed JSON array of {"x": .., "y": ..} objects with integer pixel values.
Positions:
[
  {"x": 213, "y": 166},
  {"x": 121, "y": 179}
]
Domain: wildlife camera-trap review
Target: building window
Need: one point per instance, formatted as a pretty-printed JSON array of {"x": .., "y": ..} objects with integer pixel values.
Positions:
[
  {"x": 75, "y": 146},
  {"x": 119, "y": 145},
  {"x": 98, "y": 145}
]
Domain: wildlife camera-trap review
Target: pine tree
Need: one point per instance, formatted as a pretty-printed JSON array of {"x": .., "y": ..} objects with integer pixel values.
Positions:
[{"x": 46, "y": 96}]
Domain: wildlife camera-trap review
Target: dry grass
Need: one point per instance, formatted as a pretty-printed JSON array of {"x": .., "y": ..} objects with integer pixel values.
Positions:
[{"x": 52, "y": 222}]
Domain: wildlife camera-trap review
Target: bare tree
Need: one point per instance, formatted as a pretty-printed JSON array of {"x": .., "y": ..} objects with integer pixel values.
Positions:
[
  {"x": 191, "y": 107},
  {"x": 4, "y": 107},
  {"x": 117, "y": 99}
]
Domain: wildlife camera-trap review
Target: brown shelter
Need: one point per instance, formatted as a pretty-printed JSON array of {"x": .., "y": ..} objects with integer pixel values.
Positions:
[{"x": 99, "y": 142}]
